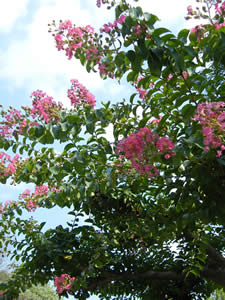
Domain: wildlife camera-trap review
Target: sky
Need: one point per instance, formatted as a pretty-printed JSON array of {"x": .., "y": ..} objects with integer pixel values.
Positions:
[{"x": 29, "y": 59}]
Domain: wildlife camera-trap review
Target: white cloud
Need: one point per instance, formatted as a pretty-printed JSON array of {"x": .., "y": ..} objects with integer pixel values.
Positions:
[{"x": 10, "y": 11}]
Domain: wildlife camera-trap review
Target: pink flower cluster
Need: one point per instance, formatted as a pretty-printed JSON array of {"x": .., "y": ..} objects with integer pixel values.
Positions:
[
  {"x": 107, "y": 28},
  {"x": 30, "y": 204},
  {"x": 78, "y": 94},
  {"x": 12, "y": 123},
  {"x": 32, "y": 199},
  {"x": 6, "y": 205},
  {"x": 198, "y": 31},
  {"x": 143, "y": 94},
  {"x": 41, "y": 190},
  {"x": 44, "y": 107},
  {"x": 64, "y": 282},
  {"x": 141, "y": 29},
  {"x": 220, "y": 9},
  {"x": 70, "y": 38},
  {"x": 93, "y": 55},
  {"x": 8, "y": 165},
  {"x": 212, "y": 118},
  {"x": 218, "y": 26},
  {"x": 141, "y": 148}
]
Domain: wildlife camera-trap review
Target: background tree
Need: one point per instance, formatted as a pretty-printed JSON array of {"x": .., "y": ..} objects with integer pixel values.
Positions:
[
  {"x": 153, "y": 198},
  {"x": 34, "y": 293},
  {"x": 217, "y": 295}
]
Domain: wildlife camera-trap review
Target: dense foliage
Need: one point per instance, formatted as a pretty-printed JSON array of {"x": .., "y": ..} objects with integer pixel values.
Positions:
[{"x": 153, "y": 199}]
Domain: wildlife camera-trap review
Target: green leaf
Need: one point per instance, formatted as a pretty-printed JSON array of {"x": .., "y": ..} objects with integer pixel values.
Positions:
[
  {"x": 69, "y": 146},
  {"x": 135, "y": 12},
  {"x": 154, "y": 64},
  {"x": 131, "y": 55},
  {"x": 221, "y": 161},
  {"x": 159, "y": 31},
  {"x": 39, "y": 131},
  {"x": 183, "y": 35},
  {"x": 55, "y": 130},
  {"x": 150, "y": 18}
]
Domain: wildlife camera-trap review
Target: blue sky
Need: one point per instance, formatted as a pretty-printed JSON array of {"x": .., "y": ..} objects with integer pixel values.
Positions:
[{"x": 30, "y": 61}]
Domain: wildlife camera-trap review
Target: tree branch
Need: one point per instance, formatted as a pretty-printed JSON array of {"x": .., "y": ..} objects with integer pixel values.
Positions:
[
  {"x": 107, "y": 277},
  {"x": 151, "y": 275},
  {"x": 217, "y": 276},
  {"x": 215, "y": 255},
  {"x": 214, "y": 275}
]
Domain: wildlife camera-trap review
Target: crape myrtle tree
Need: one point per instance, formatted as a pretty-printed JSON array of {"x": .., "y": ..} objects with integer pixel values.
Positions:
[{"x": 153, "y": 199}]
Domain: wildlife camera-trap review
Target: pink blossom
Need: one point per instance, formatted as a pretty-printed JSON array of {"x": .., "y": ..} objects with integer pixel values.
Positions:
[
  {"x": 137, "y": 29},
  {"x": 164, "y": 144},
  {"x": 206, "y": 131},
  {"x": 98, "y": 3},
  {"x": 139, "y": 147},
  {"x": 25, "y": 194},
  {"x": 79, "y": 94},
  {"x": 89, "y": 29},
  {"x": 218, "y": 9},
  {"x": 143, "y": 94},
  {"x": 31, "y": 206},
  {"x": 69, "y": 38},
  {"x": 41, "y": 190},
  {"x": 211, "y": 116},
  {"x": 219, "y": 153},
  {"x": 121, "y": 19},
  {"x": 64, "y": 282},
  {"x": 156, "y": 121},
  {"x": 44, "y": 107},
  {"x": 8, "y": 165},
  {"x": 91, "y": 53},
  {"x": 194, "y": 29},
  {"x": 185, "y": 75},
  {"x": 190, "y": 10},
  {"x": 218, "y": 26},
  {"x": 65, "y": 25},
  {"x": 11, "y": 122},
  {"x": 170, "y": 77},
  {"x": 7, "y": 202},
  {"x": 115, "y": 23}
]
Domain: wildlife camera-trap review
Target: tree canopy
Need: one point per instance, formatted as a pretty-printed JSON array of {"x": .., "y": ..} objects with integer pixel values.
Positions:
[{"x": 152, "y": 194}]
